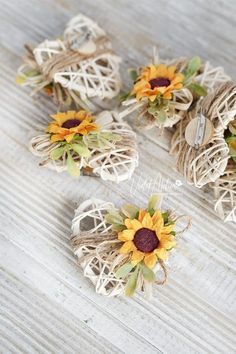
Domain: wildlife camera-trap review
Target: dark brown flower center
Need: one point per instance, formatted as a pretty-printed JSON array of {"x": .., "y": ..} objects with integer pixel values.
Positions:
[
  {"x": 159, "y": 82},
  {"x": 71, "y": 123},
  {"x": 145, "y": 240}
]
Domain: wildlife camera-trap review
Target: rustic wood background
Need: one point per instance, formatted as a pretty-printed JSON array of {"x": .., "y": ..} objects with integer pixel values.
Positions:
[{"x": 46, "y": 304}]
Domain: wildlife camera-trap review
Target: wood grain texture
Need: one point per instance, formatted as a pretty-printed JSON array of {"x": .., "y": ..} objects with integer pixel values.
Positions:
[{"x": 46, "y": 304}]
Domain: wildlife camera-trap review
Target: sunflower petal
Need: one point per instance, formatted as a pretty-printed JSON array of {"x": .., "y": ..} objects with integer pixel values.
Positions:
[
  {"x": 126, "y": 235},
  {"x": 171, "y": 72},
  {"x": 152, "y": 72},
  {"x": 137, "y": 257},
  {"x": 56, "y": 137},
  {"x": 167, "y": 241},
  {"x": 150, "y": 260},
  {"x": 162, "y": 71},
  {"x": 167, "y": 229},
  {"x": 147, "y": 221},
  {"x": 69, "y": 137},
  {"x": 142, "y": 213},
  {"x": 127, "y": 247},
  {"x": 161, "y": 253},
  {"x": 156, "y": 216}
]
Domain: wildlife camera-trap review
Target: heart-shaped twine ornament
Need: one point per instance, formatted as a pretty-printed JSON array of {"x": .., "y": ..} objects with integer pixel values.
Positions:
[
  {"x": 79, "y": 68},
  {"x": 127, "y": 249},
  {"x": 163, "y": 92},
  {"x": 198, "y": 141},
  {"x": 99, "y": 145}
]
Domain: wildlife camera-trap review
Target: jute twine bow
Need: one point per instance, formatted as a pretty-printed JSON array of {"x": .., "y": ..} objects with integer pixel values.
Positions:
[
  {"x": 207, "y": 163},
  {"x": 82, "y": 68},
  {"x": 97, "y": 247},
  {"x": 116, "y": 163}
]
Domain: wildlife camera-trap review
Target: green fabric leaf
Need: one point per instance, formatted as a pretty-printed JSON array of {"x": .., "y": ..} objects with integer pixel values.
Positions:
[
  {"x": 130, "y": 211},
  {"x": 161, "y": 117},
  {"x": 124, "y": 96},
  {"x": 133, "y": 74},
  {"x": 114, "y": 218},
  {"x": 72, "y": 168},
  {"x": 57, "y": 153},
  {"x": 165, "y": 216},
  {"x": 148, "y": 274},
  {"x": 81, "y": 149},
  {"x": 20, "y": 79},
  {"x": 198, "y": 89},
  {"x": 152, "y": 202},
  {"x": 110, "y": 136},
  {"x": 118, "y": 227},
  {"x": 193, "y": 66},
  {"x": 153, "y": 110},
  {"x": 124, "y": 270},
  {"x": 132, "y": 282}
]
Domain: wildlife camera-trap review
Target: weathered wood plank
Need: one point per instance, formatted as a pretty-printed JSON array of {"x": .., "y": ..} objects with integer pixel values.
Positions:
[{"x": 46, "y": 304}]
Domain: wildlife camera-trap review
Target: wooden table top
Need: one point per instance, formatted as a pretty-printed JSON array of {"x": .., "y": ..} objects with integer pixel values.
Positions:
[{"x": 47, "y": 306}]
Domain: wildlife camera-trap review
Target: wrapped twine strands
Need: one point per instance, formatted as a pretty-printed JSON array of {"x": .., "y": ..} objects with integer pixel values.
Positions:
[
  {"x": 207, "y": 162},
  {"x": 225, "y": 194},
  {"x": 81, "y": 68},
  {"x": 115, "y": 162},
  {"x": 97, "y": 246}
]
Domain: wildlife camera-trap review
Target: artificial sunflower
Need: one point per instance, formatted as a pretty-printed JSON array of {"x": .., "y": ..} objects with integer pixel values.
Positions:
[
  {"x": 66, "y": 125},
  {"x": 147, "y": 238},
  {"x": 157, "y": 80}
]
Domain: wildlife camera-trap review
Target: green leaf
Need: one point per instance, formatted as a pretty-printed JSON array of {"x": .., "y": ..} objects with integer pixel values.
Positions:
[
  {"x": 165, "y": 216},
  {"x": 32, "y": 73},
  {"x": 57, "y": 153},
  {"x": 161, "y": 117},
  {"x": 173, "y": 233},
  {"x": 124, "y": 270},
  {"x": 130, "y": 211},
  {"x": 132, "y": 282},
  {"x": 133, "y": 74},
  {"x": 193, "y": 66},
  {"x": 114, "y": 218},
  {"x": 81, "y": 150},
  {"x": 110, "y": 136},
  {"x": 148, "y": 274},
  {"x": 72, "y": 168},
  {"x": 124, "y": 96},
  {"x": 118, "y": 227},
  {"x": 153, "y": 109},
  {"x": 151, "y": 211},
  {"x": 20, "y": 79},
  {"x": 152, "y": 202},
  {"x": 198, "y": 89}
]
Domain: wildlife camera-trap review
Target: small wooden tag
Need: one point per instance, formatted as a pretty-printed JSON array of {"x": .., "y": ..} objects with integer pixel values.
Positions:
[{"x": 199, "y": 131}]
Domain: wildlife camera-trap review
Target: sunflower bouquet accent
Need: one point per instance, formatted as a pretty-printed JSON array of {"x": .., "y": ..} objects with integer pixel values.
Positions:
[
  {"x": 163, "y": 93},
  {"x": 79, "y": 68},
  {"x": 124, "y": 250},
  {"x": 101, "y": 145}
]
